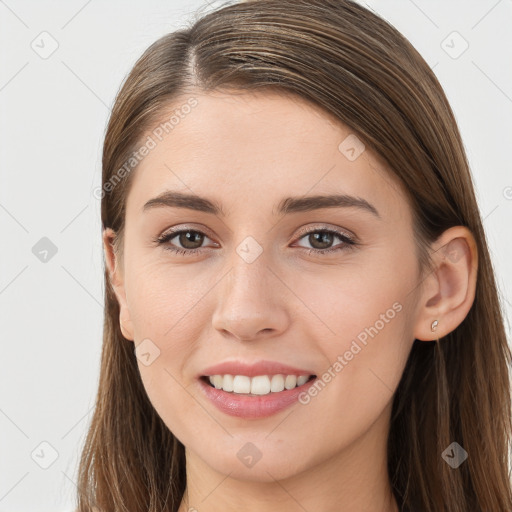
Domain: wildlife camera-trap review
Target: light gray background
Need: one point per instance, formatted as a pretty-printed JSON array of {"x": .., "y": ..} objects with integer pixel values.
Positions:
[{"x": 53, "y": 116}]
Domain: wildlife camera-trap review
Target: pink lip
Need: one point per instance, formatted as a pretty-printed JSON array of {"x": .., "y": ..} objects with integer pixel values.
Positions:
[
  {"x": 252, "y": 370},
  {"x": 252, "y": 406}
]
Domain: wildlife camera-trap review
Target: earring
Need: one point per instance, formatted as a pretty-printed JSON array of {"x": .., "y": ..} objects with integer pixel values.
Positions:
[{"x": 434, "y": 325}]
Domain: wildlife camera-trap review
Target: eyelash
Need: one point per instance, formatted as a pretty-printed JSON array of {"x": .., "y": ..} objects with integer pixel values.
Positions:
[{"x": 348, "y": 243}]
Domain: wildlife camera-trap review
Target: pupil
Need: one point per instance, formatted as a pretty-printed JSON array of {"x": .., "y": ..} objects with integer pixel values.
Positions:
[
  {"x": 323, "y": 237},
  {"x": 185, "y": 239}
]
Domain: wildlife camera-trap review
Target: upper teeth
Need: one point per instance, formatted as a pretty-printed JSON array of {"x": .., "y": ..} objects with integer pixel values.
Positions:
[{"x": 259, "y": 385}]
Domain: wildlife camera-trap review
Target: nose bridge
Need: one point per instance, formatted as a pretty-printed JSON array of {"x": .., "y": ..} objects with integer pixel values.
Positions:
[
  {"x": 247, "y": 301},
  {"x": 248, "y": 277}
]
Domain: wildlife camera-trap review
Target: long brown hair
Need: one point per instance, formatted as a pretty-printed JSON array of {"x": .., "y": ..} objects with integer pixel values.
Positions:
[{"x": 359, "y": 69}]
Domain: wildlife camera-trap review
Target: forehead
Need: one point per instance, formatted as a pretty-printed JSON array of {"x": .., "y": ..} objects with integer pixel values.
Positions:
[{"x": 245, "y": 148}]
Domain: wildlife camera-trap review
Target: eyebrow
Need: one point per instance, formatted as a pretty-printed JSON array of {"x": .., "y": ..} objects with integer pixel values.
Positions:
[{"x": 173, "y": 199}]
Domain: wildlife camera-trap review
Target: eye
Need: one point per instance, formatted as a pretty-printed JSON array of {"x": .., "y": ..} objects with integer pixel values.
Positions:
[
  {"x": 322, "y": 239},
  {"x": 189, "y": 239}
]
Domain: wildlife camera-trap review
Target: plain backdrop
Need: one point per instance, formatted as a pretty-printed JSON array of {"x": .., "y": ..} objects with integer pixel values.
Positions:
[{"x": 61, "y": 64}]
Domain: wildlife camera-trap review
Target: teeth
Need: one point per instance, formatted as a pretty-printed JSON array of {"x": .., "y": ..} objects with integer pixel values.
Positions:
[
  {"x": 227, "y": 382},
  {"x": 217, "y": 381},
  {"x": 277, "y": 383},
  {"x": 302, "y": 380},
  {"x": 241, "y": 383},
  {"x": 259, "y": 385},
  {"x": 290, "y": 382}
]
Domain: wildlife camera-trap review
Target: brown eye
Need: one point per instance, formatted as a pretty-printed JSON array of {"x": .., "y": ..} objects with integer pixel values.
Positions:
[
  {"x": 190, "y": 239},
  {"x": 321, "y": 239}
]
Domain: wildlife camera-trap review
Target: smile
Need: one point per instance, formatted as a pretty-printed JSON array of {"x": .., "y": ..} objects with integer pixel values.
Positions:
[
  {"x": 257, "y": 385},
  {"x": 254, "y": 397}
]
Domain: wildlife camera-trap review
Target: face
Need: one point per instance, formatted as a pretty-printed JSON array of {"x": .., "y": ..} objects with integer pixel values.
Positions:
[{"x": 323, "y": 289}]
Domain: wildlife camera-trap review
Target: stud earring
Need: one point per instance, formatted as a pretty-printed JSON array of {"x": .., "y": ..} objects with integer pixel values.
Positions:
[{"x": 434, "y": 325}]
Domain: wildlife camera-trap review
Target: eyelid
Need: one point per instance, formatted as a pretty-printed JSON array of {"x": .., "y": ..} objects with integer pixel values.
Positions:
[
  {"x": 325, "y": 227},
  {"x": 303, "y": 231},
  {"x": 185, "y": 227}
]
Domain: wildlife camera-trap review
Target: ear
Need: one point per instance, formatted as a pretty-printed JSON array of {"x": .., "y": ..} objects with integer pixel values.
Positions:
[
  {"x": 448, "y": 291},
  {"x": 117, "y": 282}
]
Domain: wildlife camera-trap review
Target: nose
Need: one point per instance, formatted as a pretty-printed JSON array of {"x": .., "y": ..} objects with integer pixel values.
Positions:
[{"x": 251, "y": 302}]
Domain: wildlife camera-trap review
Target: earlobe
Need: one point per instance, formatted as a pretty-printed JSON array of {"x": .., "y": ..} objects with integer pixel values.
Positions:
[
  {"x": 448, "y": 291},
  {"x": 117, "y": 282}
]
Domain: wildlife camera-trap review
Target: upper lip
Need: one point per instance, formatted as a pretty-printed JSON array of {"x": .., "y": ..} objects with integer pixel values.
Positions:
[{"x": 253, "y": 369}]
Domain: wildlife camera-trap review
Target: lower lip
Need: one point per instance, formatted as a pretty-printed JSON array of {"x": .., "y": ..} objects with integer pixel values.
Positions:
[{"x": 253, "y": 406}]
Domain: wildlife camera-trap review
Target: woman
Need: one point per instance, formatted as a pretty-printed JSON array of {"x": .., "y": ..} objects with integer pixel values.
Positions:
[{"x": 300, "y": 308}]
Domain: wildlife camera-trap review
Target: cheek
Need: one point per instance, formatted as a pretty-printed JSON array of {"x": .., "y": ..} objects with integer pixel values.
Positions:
[
  {"x": 364, "y": 365},
  {"x": 168, "y": 313},
  {"x": 363, "y": 328},
  {"x": 165, "y": 313},
  {"x": 166, "y": 300}
]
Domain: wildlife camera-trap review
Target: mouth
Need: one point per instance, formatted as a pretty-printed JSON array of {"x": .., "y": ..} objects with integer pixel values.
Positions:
[
  {"x": 256, "y": 386},
  {"x": 254, "y": 390}
]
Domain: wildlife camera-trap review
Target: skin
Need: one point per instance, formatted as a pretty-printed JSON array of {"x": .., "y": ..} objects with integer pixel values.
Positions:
[{"x": 247, "y": 151}]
